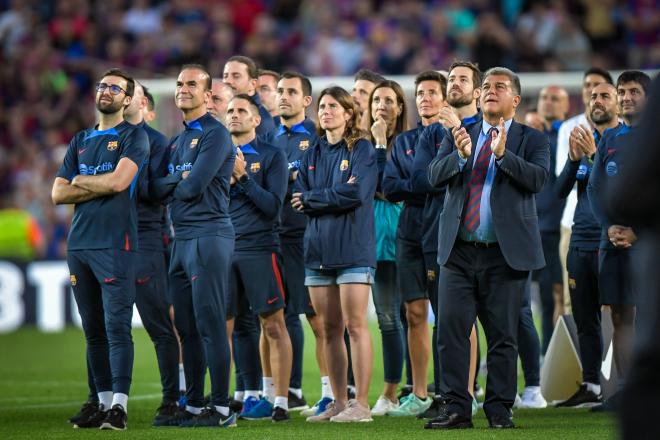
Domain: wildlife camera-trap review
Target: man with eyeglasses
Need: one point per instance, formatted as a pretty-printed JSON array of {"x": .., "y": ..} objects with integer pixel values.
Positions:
[{"x": 99, "y": 177}]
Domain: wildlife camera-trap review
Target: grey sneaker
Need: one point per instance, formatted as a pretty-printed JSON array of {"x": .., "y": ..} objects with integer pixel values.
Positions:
[
  {"x": 330, "y": 411},
  {"x": 354, "y": 412}
]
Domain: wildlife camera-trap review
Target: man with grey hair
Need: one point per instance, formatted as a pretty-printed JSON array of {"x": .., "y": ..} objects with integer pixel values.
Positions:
[
  {"x": 488, "y": 243},
  {"x": 221, "y": 94}
]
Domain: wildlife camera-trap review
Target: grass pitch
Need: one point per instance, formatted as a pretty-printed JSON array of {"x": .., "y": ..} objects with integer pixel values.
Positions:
[{"x": 43, "y": 382}]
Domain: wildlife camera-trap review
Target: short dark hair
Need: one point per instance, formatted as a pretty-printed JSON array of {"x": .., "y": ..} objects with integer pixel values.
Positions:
[
  {"x": 601, "y": 72},
  {"x": 272, "y": 73},
  {"x": 635, "y": 76},
  {"x": 432, "y": 75},
  {"x": 474, "y": 67},
  {"x": 207, "y": 83},
  {"x": 369, "y": 75},
  {"x": 515, "y": 80},
  {"x": 477, "y": 77},
  {"x": 249, "y": 99},
  {"x": 151, "y": 103},
  {"x": 252, "y": 70},
  {"x": 305, "y": 83},
  {"x": 130, "y": 82}
]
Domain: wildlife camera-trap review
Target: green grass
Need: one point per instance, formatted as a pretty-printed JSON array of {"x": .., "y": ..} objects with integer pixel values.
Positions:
[{"x": 43, "y": 382}]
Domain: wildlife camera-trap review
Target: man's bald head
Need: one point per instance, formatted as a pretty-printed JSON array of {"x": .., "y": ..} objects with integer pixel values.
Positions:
[
  {"x": 553, "y": 103},
  {"x": 221, "y": 94}
]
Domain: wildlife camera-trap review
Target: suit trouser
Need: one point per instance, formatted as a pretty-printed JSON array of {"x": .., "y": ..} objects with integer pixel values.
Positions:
[
  {"x": 199, "y": 275},
  {"x": 478, "y": 282},
  {"x": 103, "y": 282},
  {"x": 582, "y": 267}
]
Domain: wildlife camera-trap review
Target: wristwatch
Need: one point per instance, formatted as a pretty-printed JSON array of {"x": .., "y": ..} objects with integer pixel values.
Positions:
[
  {"x": 381, "y": 147},
  {"x": 243, "y": 179}
]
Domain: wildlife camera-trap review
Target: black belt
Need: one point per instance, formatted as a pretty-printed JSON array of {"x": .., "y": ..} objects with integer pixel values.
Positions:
[{"x": 480, "y": 244}]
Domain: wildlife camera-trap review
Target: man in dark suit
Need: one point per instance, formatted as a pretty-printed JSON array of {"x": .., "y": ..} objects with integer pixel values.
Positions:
[{"x": 489, "y": 241}]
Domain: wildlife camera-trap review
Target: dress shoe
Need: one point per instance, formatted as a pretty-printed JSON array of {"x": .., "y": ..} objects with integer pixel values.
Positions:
[
  {"x": 449, "y": 421},
  {"x": 497, "y": 421}
]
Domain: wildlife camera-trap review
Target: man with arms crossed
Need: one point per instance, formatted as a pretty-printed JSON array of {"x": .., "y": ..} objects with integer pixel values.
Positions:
[
  {"x": 99, "y": 175},
  {"x": 197, "y": 189}
]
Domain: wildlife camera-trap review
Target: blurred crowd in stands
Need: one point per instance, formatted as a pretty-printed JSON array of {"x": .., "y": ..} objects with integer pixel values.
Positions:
[{"x": 51, "y": 51}]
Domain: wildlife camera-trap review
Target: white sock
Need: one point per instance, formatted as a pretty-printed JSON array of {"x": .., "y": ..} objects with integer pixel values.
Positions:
[
  {"x": 297, "y": 392},
  {"x": 239, "y": 395},
  {"x": 105, "y": 399},
  {"x": 269, "y": 388},
  {"x": 194, "y": 410},
  {"x": 326, "y": 389},
  {"x": 252, "y": 393},
  {"x": 537, "y": 388},
  {"x": 120, "y": 399},
  {"x": 282, "y": 402},
  {"x": 594, "y": 388},
  {"x": 224, "y": 410},
  {"x": 352, "y": 388},
  {"x": 182, "y": 379}
]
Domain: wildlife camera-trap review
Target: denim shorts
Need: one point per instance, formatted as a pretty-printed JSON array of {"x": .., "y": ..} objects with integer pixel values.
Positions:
[{"x": 330, "y": 277}]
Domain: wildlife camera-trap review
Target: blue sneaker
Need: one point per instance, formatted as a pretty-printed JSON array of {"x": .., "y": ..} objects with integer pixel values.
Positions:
[
  {"x": 248, "y": 404},
  {"x": 262, "y": 410},
  {"x": 183, "y": 400},
  {"x": 318, "y": 407}
]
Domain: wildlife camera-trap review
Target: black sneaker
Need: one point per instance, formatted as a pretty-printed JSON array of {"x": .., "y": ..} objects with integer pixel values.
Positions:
[
  {"x": 583, "y": 398},
  {"x": 297, "y": 403},
  {"x": 179, "y": 417},
  {"x": 165, "y": 412},
  {"x": 235, "y": 405},
  {"x": 115, "y": 418},
  {"x": 88, "y": 408},
  {"x": 438, "y": 408},
  {"x": 612, "y": 404},
  {"x": 211, "y": 418},
  {"x": 280, "y": 415},
  {"x": 406, "y": 390},
  {"x": 92, "y": 420}
]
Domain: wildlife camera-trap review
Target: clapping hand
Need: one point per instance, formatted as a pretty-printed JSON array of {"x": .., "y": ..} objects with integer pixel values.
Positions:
[{"x": 498, "y": 142}]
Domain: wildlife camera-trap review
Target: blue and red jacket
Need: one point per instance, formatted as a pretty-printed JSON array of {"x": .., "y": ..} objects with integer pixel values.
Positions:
[{"x": 340, "y": 232}]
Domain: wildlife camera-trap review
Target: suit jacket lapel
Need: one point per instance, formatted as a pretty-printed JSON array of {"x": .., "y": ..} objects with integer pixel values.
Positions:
[{"x": 514, "y": 137}]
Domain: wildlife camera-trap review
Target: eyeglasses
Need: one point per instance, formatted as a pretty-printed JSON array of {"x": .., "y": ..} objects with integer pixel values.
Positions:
[{"x": 114, "y": 89}]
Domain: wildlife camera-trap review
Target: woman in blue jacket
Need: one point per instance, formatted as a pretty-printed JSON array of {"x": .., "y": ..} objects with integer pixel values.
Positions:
[
  {"x": 388, "y": 117},
  {"x": 335, "y": 189}
]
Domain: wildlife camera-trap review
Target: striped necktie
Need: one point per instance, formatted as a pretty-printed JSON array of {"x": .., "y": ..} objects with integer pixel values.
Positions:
[{"x": 471, "y": 210}]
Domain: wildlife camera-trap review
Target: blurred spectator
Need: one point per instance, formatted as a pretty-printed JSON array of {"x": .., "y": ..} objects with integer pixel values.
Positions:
[{"x": 50, "y": 53}]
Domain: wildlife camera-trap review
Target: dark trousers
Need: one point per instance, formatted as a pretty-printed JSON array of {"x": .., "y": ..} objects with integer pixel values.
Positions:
[
  {"x": 582, "y": 265},
  {"x": 478, "y": 282},
  {"x": 153, "y": 306},
  {"x": 529, "y": 345},
  {"x": 547, "y": 277},
  {"x": 247, "y": 331},
  {"x": 103, "y": 282},
  {"x": 387, "y": 301},
  {"x": 199, "y": 275},
  {"x": 432, "y": 273}
]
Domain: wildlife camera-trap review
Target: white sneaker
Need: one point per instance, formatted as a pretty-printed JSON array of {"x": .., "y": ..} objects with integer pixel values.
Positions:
[
  {"x": 532, "y": 398},
  {"x": 383, "y": 406}
]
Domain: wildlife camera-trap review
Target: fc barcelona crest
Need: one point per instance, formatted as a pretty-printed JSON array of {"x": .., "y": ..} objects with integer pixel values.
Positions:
[
  {"x": 193, "y": 143},
  {"x": 74, "y": 281},
  {"x": 343, "y": 166},
  {"x": 255, "y": 167},
  {"x": 303, "y": 145},
  {"x": 113, "y": 145}
]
